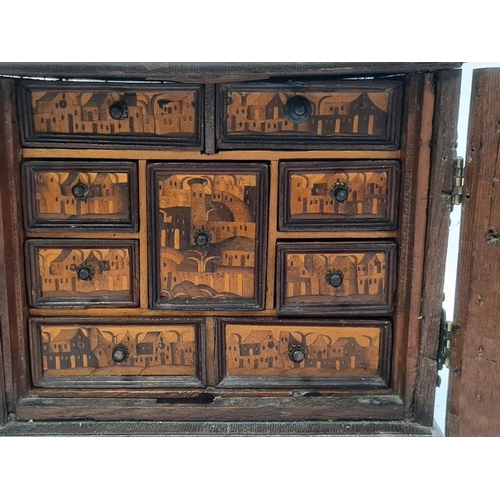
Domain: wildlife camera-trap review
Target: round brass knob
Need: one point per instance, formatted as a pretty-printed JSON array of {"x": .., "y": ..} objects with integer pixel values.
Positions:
[
  {"x": 334, "y": 277},
  {"x": 202, "y": 238},
  {"x": 80, "y": 191},
  {"x": 297, "y": 353},
  {"x": 118, "y": 111},
  {"x": 339, "y": 192},
  {"x": 85, "y": 272},
  {"x": 298, "y": 109},
  {"x": 120, "y": 353}
]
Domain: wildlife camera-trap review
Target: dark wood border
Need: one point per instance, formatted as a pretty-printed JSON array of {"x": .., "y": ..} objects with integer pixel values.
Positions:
[
  {"x": 330, "y": 309},
  {"x": 298, "y": 141},
  {"x": 29, "y": 170},
  {"x": 13, "y": 307},
  {"x": 33, "y": 278},
  {"x": 438, "y": 221},
  {"x": 381, "y": 381},
  {"x": 213, "y": 71},
  {"x": 30, "y": 138},
  {"x": 287, "y": 223},
  {"x": 124, "y": 381},
  {"x": 261, "y": 170}
]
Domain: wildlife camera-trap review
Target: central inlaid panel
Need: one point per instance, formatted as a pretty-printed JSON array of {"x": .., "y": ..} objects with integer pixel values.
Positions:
[{"x": 210, "y": 235}]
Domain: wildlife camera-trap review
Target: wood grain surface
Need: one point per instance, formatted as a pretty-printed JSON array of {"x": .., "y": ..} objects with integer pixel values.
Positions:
[{"x": 474, "y": 402}]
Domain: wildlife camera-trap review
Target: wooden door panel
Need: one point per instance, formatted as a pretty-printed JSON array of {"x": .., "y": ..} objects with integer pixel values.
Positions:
[{"x": 473, "y": 400}]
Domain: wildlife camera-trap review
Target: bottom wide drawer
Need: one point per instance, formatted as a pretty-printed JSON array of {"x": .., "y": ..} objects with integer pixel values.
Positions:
[
  {"x": 257, "y": 353},
  {"x": 83, "y": 352}
]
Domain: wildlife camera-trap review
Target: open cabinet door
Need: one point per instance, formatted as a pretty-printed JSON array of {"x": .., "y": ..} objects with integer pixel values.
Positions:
[{"x": 474, "y": 390}]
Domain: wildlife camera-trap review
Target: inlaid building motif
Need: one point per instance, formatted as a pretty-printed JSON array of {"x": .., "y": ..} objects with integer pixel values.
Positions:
[
  {"x": 310, "y": 193},
  {"x": 332, "y": 351},
  {"x": 58, "y": 269},
  {"x": 152, "y": 350},
  {"x": 332, "y": 113},
  {"x": 108, "y": 195},
  {"x": 163, "y": 114},
  {"x": 224, "y": 207},
  {"x": 364, "y": 276}
]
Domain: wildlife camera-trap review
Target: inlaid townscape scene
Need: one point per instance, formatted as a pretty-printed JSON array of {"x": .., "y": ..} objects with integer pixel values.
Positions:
[
  {"x": 263, "y": 350},
  {"x": 153, "y": 113},
  {"x": 207, "y": 236},
  {"x": 88, "y": 350},
  {"x": 332, "y": 113}
]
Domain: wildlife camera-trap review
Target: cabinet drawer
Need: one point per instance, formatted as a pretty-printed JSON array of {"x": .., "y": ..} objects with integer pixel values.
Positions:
[
  {"x": 338, "y": 195},
  {"x": 335, "y": 278},
  {"x": 282, "y": 353},
  {"x": 80, "y": 195},
  {"x": 320, "y": 115},
  {"x": 73, "y": 114},
  {"x": 209, "y": 235},
  {"x": 83, "y": 273},
  {"x": 83, "y": 352}
]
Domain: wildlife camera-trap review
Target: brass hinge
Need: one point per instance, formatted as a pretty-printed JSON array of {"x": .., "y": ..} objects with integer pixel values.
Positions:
[
  {"x": 458, "y": 181},
  {"x": 446, "y": 331}
]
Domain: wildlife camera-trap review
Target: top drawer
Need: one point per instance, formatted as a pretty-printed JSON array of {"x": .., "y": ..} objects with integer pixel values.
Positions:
[
  {"x": 333, "y": 115},
  {"x": 73, "y": 114}
]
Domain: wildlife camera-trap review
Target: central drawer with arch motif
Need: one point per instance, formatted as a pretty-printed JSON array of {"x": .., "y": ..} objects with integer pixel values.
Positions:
[{"x": 210, "y": 235}]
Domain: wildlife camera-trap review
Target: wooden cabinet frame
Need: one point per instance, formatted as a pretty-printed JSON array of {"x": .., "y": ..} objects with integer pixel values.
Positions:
[{"x": 428, "y": 148}]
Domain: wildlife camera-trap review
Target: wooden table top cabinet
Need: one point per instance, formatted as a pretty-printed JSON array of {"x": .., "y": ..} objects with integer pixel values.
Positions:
[{"x": 246, "y": 243}]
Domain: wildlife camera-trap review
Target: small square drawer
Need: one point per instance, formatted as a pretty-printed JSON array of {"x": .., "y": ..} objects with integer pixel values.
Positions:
[
  {"x": 80, "y": 195},
  {"x": 93, "y": 352},
  {"x": 323, "y": 115},
  {"x": 82, "y": 273},
  {"x": 74, "y": 114},
  {"x": 335, "y": 278},
  {"x": 277, "y": 353},
  {"x": 338, "y": 195}
]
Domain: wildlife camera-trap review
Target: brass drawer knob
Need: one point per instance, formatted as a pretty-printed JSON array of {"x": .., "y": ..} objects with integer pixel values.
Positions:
[
  {"x": 339, "y": 192},
  {"x": 202, "y": 238},
  {"x": 120, "y": 353},
  {"x": 298, "y": 109},
  {"x": 85, "y": 272},
  {"x": 334, "y": 277},
  {"x": 80, "y": 191},
  {"x": 297, "y": 353},
  {"x": 118, "y": 111}
]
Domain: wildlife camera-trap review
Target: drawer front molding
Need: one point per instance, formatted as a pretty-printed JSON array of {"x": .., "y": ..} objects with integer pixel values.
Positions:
[
  {"x": 81, "y": 195},
  {"x": 331, "y": 115},
  {"x": 257, "y": 353},
  {"x": 82, "y": 352},
  {"x": 335, "y": 278},
  {"x": 73, "y": 114},
  {"x": 339, "y": 195},
  {"x": 83, "y": 273}
]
